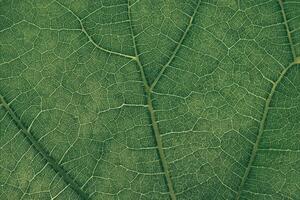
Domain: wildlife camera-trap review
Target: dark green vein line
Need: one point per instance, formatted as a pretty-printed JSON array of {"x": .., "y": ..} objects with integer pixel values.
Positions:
[
  {"x": 261, "y": 130},
  {"x": 287, "y": 28},
  {"x": 177, "y": 47},
  {"x": 90, "y": 38},
  {"x": 40, "y": 149},
  {"x": 155, "y": 127}
]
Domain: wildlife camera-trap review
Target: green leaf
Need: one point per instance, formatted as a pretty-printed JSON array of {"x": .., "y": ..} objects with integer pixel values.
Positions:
[{"x": 150, "y": 99}]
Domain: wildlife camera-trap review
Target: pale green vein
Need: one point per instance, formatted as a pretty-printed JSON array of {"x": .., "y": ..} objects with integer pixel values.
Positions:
[
  {"x": 161, "y": 152},
  {"x": 261, "y": 130},
  {"x": 40, "y": 149},
  {"x": 90, "y": 38},
  {"x": 285, "y": 21},
  {"x": 177, "y": 47},
  {"x": 268, "y": 101},
  {"x": 297, "y": 60},
  {"x": 137, "y": 58},
  {"x": 238, "y": 4},
  {"x": 156, "y": 130}
]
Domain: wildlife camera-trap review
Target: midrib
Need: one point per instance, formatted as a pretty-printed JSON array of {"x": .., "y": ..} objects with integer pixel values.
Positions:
[
  {"x": 148, "y": 89},
  {"x": 155, "y": 128}
]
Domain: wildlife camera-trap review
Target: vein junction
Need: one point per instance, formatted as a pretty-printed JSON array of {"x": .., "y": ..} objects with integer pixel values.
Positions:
[{"x": 149, "y": 89}]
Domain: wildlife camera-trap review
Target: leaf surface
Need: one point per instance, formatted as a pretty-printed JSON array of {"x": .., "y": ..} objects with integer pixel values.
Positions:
[{"x": 150, "y": 99}]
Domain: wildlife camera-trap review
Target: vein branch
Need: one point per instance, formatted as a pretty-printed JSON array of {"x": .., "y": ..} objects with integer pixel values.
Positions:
[
  {"x": 261, "y": 129},
  {"x": 42, "y": 151},
  {"x": 177, "y": 47},
  {"x": 285, "y": 21},
  {"x": 83, "y": 29},
  {"x": 268, "y": 101},
  {"x": 155, "y": 127}
]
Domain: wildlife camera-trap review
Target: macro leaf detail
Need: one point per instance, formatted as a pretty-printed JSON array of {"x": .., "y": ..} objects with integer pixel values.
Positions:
[{"x": 150, "y": 99}]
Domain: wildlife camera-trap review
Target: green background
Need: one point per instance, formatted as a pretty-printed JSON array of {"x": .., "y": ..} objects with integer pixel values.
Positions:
[{"x": 150, "y": 99}]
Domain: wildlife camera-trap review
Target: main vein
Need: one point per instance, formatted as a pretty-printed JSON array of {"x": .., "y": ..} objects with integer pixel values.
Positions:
[
  {"x": 149, "y": 89},
  {"x": 42, "y": 151},
  {"x": 267, "y": 104},
  {"x": 156, "y": 131}
]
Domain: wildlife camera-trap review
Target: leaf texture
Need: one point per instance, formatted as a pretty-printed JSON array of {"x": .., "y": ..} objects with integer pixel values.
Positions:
[{"x": 150, "y": 99}]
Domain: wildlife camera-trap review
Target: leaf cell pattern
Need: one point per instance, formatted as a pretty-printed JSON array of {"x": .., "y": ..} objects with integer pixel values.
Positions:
[{"x": 150, "y": 99}]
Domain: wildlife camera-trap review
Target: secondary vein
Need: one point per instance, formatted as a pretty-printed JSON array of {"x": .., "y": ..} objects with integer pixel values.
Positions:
[
  {"x": 155, "y": 127},
  {"x": 268, "y": 101},
  {"x": 261, "y": 130},
  {"x": 42, "y": 151},
  {"x": 177, "y": 47},
  {"x": 90, "y": 38}
]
